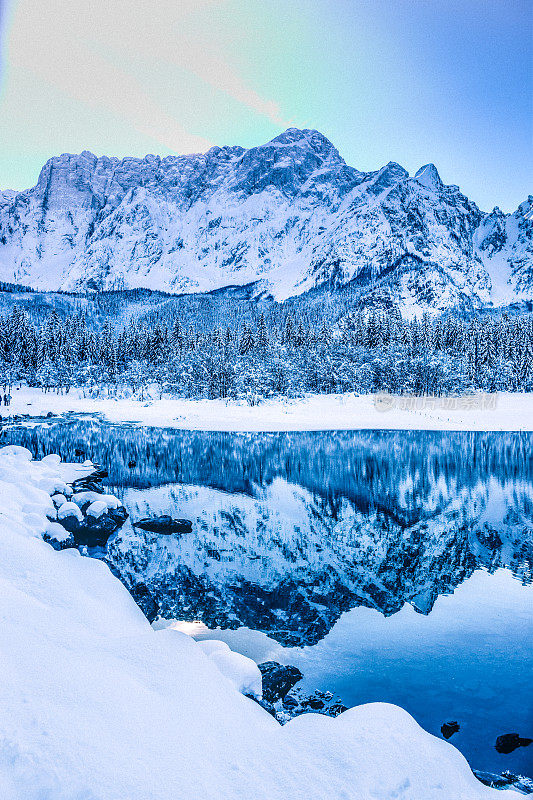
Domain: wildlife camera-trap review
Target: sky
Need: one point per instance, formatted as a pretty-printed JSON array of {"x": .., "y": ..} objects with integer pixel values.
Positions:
[{"x": 412, "y": 81}]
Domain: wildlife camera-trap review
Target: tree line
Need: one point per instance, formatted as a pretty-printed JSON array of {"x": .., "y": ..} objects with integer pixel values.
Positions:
[{"x": 270, "y": 354}]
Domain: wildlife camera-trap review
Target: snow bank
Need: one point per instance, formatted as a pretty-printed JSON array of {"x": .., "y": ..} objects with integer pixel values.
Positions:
[
  {"x": 240, "y": 670},
  {"x": 69, "y": 510},
  {"x": 95, "y": 704},
  {"x": 509, "y": 412},
  {"x": 90, "y": 498},
  {"x": 96, "y": 509}
]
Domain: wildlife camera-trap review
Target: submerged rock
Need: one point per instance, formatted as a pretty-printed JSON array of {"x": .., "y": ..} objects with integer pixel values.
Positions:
[
  {"x": 505, "y": 780},
  {"x": 92, "y": 482},
  {"x": 449, "y": 728},
  {"x": 164, "y": 524},
  {"x": 284, "y": 702},
  {"x": 296, "y": 702},
  {"x": 511, "y": 741}
]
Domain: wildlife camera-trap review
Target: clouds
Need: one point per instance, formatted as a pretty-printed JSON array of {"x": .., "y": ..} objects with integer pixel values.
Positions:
[
  {"x": 116, "y": 56},
  {"x": 443, "y": 81}
]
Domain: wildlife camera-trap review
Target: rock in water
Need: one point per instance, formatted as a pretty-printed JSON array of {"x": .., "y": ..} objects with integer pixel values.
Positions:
[
  {"x": 449, "y": 728},
  {"x": 94, "y": 531},
  {"x": 510, "y": 741},
  {"x": 164, "y": 524},
  {"x": 284, "y": 702},
  {"x": 296, "y": 702},
  {"x": 94, "y": 516},
  {"x": 278, "y": 680},
  {"x": 507, "y": 780}
]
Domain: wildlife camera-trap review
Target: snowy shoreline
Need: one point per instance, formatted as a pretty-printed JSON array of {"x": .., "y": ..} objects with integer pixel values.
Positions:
[
  {"x": 500, "y": 412},
  {"x": 95, "y": 702}
]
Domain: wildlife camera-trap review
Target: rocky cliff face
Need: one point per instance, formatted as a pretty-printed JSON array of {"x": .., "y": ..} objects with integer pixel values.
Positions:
[{"x": 288, "y": 215}]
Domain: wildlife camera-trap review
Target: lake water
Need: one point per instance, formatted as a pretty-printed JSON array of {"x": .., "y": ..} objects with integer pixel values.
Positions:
[{"x": 386, "y": 565}]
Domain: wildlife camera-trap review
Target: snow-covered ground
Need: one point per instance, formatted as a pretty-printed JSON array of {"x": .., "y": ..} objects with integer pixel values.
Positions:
[
  {"x": 501, "y": 412},
  {"x": 96, "y": 704}
]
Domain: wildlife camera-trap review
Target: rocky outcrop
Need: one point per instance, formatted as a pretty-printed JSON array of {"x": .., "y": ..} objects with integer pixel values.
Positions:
[
  {"x": 297, "y": 702},
  {"x": 284, "y": 700},
  {"x": 506, "y": 780},
  {"x": 90, "y": 516},
  {"x": 278, "y": 679}
]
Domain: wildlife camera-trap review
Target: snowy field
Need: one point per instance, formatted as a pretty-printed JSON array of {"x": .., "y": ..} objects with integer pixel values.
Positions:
[
  {"x": 97, "y": 705},
  {"x": 500, "y": 412}
]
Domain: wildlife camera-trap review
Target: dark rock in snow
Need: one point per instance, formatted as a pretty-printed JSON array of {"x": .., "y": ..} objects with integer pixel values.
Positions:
[
  {"x": 296, "y": 702},
  {"x": 91, "y": 531},
  {"x": 278, "y": 679},
  {"x": 164, "y": 524},
  {"x": 284, "y": 702},
  {"x": 70, "y": 522},
  {"x": 95, "y": 531},
  {"x": 92, "y": 482},
  {"x": 510, "y": 741},
  {"x": 449, "y": 728},
  {"x": 64, "y": 544}
]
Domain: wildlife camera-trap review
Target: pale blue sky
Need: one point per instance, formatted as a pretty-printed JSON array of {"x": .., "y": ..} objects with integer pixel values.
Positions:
[{"x": 448, "y": 81}]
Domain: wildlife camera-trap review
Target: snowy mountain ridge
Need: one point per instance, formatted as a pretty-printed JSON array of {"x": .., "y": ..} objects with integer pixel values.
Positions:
[{"x": 289, "y": 215}]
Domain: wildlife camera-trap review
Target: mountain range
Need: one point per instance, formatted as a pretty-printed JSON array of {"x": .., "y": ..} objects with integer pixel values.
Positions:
[{"x": 287, "y": 217}]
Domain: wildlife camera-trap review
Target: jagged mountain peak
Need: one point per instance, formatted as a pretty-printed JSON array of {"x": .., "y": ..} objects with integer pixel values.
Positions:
[
  {"x": 308, "y": 139},
  {"x": 288, "y": 215},
  {"x": 429, "y": 177},
  {"x": 389, "y": 175},
  {"x": 525, "y": 209},
  {"x": 225, "y": 152},
  {"x": 293, "y": 144}
]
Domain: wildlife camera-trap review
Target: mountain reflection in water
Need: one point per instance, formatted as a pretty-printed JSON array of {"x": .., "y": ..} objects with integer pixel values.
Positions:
[
  {"x": 292, "y": 529},
  {"x": 337, "y": 546}
]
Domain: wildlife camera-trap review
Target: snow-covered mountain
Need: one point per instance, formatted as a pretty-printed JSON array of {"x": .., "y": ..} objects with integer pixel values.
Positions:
[{"x": 288, "y": 215}]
